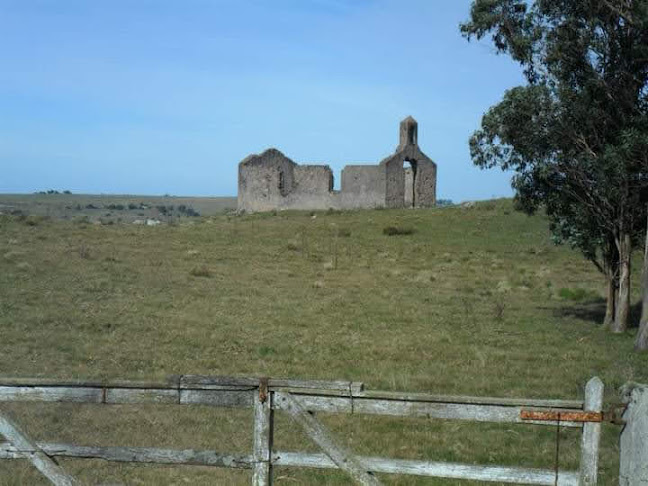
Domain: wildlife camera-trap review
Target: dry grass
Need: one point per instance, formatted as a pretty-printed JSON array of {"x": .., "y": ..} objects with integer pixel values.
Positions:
[{"x": 472, "y": 302}]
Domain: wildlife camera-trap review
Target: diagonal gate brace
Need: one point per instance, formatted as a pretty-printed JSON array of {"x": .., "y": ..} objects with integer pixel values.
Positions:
[
  {"x": 342, "y": 458},
  {"x": 28, "y": 449}
]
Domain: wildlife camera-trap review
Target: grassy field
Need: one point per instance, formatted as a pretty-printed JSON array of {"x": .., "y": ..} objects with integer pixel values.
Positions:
[{"x": 461, "y": 300}]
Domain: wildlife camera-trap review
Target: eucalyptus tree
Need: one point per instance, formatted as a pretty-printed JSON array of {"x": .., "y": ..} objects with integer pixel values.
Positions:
[{"x": 576, "y": 134}]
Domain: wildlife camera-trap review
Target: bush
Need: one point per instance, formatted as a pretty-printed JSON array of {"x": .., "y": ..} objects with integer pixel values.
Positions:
[
  {"x": 200, "y": 271},
  {"x": 577, "y": 294},
  {"x": 444, "y": 203},
  {"x": 398, "y": 230}
]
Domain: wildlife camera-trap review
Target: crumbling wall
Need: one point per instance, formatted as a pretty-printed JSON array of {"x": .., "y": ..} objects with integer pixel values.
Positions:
[
  {"x": 313, "y": 189},
  {"x": 264, "y": 181},
  {"x": 362, "y": 186},
  {"x": 425, "y": 185}
]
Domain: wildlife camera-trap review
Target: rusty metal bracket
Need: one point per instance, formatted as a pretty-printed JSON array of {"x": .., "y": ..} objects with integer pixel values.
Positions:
[
  {"x": 559, "y": 416},
  {"x": 615, "y": 414},
  {"x": 263, "y": 389}
]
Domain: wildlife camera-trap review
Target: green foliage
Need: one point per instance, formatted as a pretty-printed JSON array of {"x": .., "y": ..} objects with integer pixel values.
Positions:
[
  {"x": 398, "y": 230},
  {"x": 577, "y": 294},
  {"x": 576, "y": 135}
]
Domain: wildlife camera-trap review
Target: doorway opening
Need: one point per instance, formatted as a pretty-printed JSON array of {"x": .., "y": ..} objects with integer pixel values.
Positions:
[{"x": 409, "y": 170}]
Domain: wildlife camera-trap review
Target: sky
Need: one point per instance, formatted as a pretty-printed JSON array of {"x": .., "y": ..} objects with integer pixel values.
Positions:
[{"x": 167, "y": 97}]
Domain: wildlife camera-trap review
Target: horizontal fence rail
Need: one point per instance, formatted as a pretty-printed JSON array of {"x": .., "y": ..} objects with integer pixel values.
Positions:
[{"x": 300, "y": 399}]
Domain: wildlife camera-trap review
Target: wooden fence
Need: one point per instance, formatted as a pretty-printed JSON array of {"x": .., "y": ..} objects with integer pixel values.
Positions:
[{"x": 301, "y": 400}]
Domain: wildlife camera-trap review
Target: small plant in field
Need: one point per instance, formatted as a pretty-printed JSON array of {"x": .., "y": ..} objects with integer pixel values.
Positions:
[
  {"x": 32, "y": 220},
  {"x": 398, "y": 230},
  {"x": 23, "y": 266},
  {"x": 293, "y": 246},
  {"x": 344, "y": 232},
  {"x": 84, "y": 251},
  {"x": 200, "y": 271},
  {"x": 499, "y": 306},
  {"x": 266, "y": 351}
]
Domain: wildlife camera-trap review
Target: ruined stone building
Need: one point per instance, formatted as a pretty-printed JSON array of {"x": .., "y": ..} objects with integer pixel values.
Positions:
[{"x": 405, "y": 179}]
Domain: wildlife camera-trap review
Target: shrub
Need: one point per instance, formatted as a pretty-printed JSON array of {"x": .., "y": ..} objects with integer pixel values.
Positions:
[
  {"x": 344, "y": 232},
  {"x": 293, "y": 246},
  {"x": 398, "y": 230},
  {"x": 577, "y": 294},
  {"x": 33, "y": 220},
  {"x": 200, "y": 271}
]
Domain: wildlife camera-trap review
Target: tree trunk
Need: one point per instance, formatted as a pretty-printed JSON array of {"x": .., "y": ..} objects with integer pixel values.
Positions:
[
  {"x": 611, "y": 267},
  {"x": 612, "y": 287},
  {"x": 624, "y": 246},
  {"x": 641, "y": 344}
]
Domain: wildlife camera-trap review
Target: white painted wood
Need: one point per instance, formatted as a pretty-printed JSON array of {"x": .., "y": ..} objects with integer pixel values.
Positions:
[
  {"x": 135, "y": 454},
  {"x": 36, "y": 456},
  {"x": 227, "y": 382},
  {"x": 398, "y": 408},
  {"x": 50, "y": 394},
  {"x": 263, "y": 430},
  {"x": 170, "y": 382},
  {"x": 219, "y": 398},
  {"x": 434, "y": 469},
  {"x": 633, "y": 464},
  {"x": 425, "y": 397},
  {"x": 591, "y": 434},
  {"x": 136, "y": 395},
  {"x": 340, "y": 456}
]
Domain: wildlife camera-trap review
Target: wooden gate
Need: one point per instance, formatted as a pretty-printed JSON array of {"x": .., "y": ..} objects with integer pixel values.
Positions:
[{"x": 301, "y": 400}]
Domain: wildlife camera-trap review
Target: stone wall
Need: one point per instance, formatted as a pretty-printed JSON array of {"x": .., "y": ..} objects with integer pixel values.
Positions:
[
  {"x": 272, "y": 181},
  {"x": 313, "y": 188},
  {"x": 362, "y": 186},
  {"x": 265, "y": 180}
]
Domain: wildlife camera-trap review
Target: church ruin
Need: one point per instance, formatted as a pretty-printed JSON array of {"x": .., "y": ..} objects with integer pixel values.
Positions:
[{"x": 406, "y": 179}]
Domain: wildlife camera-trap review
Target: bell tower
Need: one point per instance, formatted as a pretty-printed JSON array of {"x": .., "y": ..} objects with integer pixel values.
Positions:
[{"x": 408, "y": 133}]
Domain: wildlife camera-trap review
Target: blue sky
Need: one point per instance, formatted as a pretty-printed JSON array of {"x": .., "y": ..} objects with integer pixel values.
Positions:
[{"x": 157, "y": 96}]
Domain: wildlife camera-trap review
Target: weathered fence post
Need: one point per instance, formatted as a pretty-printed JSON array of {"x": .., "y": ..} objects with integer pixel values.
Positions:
[
  {"x": 591, "y": 434},
  {"x": 633, "y": 470},
  {"x": 263, "y": 428}
]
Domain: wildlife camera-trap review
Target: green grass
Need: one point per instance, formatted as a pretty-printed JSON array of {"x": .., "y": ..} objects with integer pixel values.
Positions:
[{"x": 475, "y": 301}]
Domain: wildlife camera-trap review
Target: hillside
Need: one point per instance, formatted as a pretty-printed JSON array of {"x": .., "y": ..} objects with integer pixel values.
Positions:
[{"x": 460, "y": 300}]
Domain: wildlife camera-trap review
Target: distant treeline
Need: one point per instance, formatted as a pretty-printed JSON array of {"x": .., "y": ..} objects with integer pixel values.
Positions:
[{"x": 166, "y": 210}]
